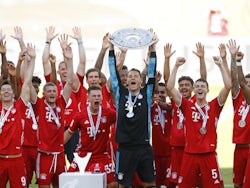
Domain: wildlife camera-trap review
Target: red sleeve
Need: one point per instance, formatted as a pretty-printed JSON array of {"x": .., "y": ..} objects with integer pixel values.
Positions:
[
  {"x": 80, "y": 78},
  {"x": 74, "y": 123},
  {"x": 47, "y": 78}
]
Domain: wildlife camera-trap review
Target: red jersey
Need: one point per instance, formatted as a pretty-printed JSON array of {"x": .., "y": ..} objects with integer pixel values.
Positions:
[
  {"x": 71, "y": 106},
  {"x": 161, "y": 125},
  {"x": 89, "y": 142},
  {"x": 30, "y": 127},
  {"x": 50, "y": 132},
  {"x": 196, "y": 142},
  {"x": 241, "y": 113},
  {"x": 11, "y": 131},
  {"x": 82, "y": 98},
  {"x": 177, "y": 136}
]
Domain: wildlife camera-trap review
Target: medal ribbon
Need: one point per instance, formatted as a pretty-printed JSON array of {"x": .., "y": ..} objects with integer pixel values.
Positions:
[
  {"x": 130, "y": 102},
  {"x": 244, "y": 114},
  {"x": 4, "y": 116},
  {"x": 55, "y": 116},
  {"x": 95, "y": 127},
  {"x": 181, "y": 116},
  {"x": 204, "y": 116},
  {"x": 161, "y": 117},
  {"x": 32, "y": 113}
]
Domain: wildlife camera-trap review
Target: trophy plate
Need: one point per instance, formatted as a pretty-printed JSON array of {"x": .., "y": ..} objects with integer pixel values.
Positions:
[{"x": 132, "y": 38}]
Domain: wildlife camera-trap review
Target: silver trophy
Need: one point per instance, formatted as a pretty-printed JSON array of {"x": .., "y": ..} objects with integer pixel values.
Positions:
[{"x": 132, "y": 38}]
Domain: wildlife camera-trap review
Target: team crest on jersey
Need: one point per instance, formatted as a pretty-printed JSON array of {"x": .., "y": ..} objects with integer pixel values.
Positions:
[
  {"x": 43, "y": 176},
  {"x": 120, "y": 176},
  {"x": 86, "y": 122},
  {"x": 104, "y": 119},
  {"x": 58, "y": 109},
  {"x": 13, "y": 110},
  {"x": 140, "y": 96}
]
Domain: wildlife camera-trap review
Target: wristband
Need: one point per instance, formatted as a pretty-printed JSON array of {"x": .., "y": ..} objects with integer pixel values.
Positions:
[
  {"x": 47, "y": 42},
  {"x": 238, "y": 64},
  {"x": 80, "y": 42}
]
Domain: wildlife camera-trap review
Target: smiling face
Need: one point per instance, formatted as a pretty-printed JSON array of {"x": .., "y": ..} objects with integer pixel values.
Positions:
[
  {"x": 93, "y": 77},
  {"x": 62, "y": 71},
  {"x": 162, "y": 93},
  {"x": 50, "y": 93},
  {"x": 186, "y": 88},
  {"x": 200, "y": 90},
  {"x": 6, "y": 93},
  {"x": 134, "y": 81}
]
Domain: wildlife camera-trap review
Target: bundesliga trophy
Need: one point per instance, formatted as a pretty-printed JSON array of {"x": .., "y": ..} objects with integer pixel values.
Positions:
[{"x": 132, "y": 38}]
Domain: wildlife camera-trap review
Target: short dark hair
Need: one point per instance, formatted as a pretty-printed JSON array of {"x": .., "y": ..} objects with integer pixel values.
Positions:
[
  {"x": 5, "y": 82},
  {"x": 48, "y": 84},
  {"x": 136, "y": 70},
  {"x": 94, "y": 87},
  {"x": 248, "y": 75},
  {"x": 93, "y": 70},
  {"x": 202, "y": 80},
  {"x": 188, "y": 78},
  {"x": 36, "y": 79},
  {"x": 124, "y": 67},
  {"x": 161, "y": 84}
]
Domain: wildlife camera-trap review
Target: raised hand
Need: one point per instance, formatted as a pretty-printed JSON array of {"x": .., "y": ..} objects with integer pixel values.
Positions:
[
  {"x": 105, "y": 41},
  {"x": 50, "y": 33},
  {"x": 232, "y": 47},
  {"x": 52, "y": 59},
  {"x": 180, "y": 61},
  {"x": 77, "y": 33},
  {"x": 11, "y": 69},
  {"x": 200, "y": 52},
  {"x": 18, "y": 33},
  {"x": 3, "y": 47},
  {"x": 31, "y": 52},
  {"x": 168, "y": 50},
  {"x": 239, "y": 56},
  {"x": 158, "y": 76},
  {"x": 21, "y": 56},
  {"x": 217, "y": 60},
  {"x": 63, "y": 39},
  {"x": 222, "y": 50}
]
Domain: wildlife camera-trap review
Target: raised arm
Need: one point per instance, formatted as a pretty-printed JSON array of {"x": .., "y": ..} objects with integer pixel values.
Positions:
[
  {"x": 82, "y": 56},
  {"x": 172, "y": 92},
  {"x": 12, "y": 76},
  {"x": 53, "y": 75},
  {"x": 4, "y": 71},
  {"x": 28, "y": 93},
  {"x": 242, "y": 81},
  {"x": 19, "y": 37},
  {"x": 167, "y": 54},
  {"x": 233, "y": 49},
  {"x": 68, "y": 58},
  {"x": 63, "y": 39},
  {"x": 120, "y": 59},
  {"x": 200, "y": 52},
  {"x": 50, "y": 35},
  {"x": 105, "y": 46},
  {"x": 222, "y": 97}
]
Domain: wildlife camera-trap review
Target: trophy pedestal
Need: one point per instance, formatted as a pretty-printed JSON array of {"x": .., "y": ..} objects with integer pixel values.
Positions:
[{"x": 80, "y": 180}]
